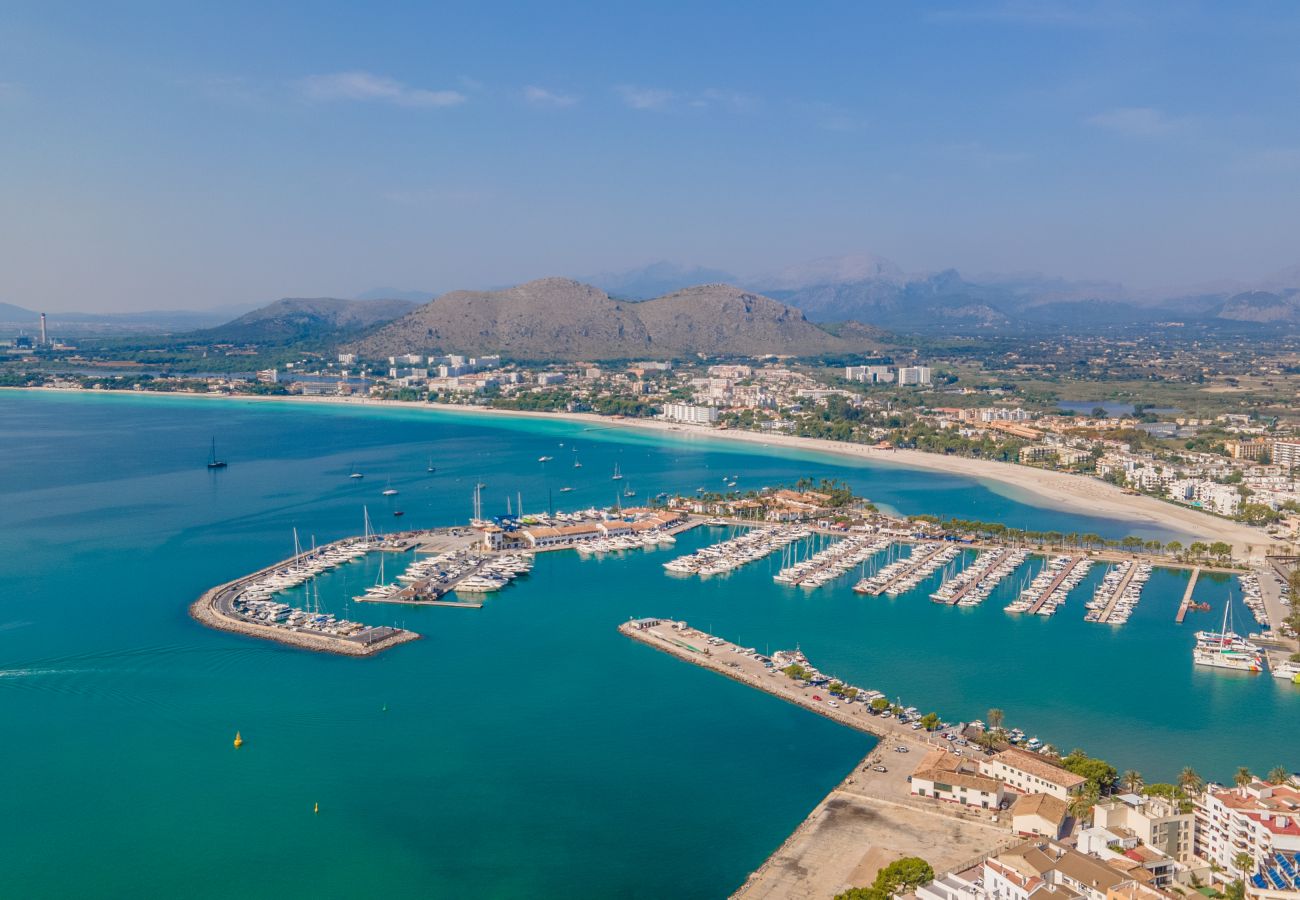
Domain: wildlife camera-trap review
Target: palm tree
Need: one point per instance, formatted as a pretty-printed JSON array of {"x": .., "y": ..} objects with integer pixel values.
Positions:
[
  {"x": 1189, "y": 781},
  {"x": 996, "y": 718},
  {"x": 1243, "y": 862},
  {"x": 1243, "y": 777},
  {"x": 1132, "y": 781},
  {"x": 1278, "y": 775}
]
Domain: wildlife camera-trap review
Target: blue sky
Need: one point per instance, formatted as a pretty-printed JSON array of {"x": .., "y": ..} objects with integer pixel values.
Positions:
[{"x": 165, "y": 155}]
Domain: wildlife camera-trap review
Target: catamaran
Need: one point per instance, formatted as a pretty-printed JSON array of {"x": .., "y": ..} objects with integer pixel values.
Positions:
[
  {"x": 1225, "y": 649},
  {"x": 213, "y": 462}
]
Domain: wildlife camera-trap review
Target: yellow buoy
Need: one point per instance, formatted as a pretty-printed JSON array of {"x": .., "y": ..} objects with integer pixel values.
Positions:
[
  {"x": 317, "y": 809},
  {"x": 239, "y": 741}
]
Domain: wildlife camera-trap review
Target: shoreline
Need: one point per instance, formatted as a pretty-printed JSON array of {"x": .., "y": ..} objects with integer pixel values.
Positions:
[{"x": 1044, "y": 488}]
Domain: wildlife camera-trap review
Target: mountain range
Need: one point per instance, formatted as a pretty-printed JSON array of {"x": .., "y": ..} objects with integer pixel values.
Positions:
[
  {"x": 875, "y": 290},
  {"x": 298, "y": 319},
  {"x": 562, "y": 319}
]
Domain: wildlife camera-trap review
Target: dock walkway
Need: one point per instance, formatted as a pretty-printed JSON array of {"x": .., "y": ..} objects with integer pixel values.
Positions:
[
  {"x": 1187, "y": 596},
  {"x": 1117, "y": 593},
  {"x": 1056, "y": 583},
  {"x": 921, "y": 555}
]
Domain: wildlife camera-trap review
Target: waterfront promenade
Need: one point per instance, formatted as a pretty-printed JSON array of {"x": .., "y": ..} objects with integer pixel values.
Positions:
[{"x": 869, "y": 819}]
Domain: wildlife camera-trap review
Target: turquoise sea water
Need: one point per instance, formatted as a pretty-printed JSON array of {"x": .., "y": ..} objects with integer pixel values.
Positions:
[{"x": 527, "y": 748}]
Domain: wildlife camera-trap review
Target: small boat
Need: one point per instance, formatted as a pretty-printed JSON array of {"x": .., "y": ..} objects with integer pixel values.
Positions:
[
  {"x": 617, "y": 476},
  {"x": 431, "y": 468},
  {"x": 545, "y": 458},
  {"x": 629, "y": 491},
  {"x": 565, "y": 490},
  {"x": 389, "y": 491},
  {"x": 316, "y": 809},
  {"x": 213, "y": 462},
  {"x": 353, "y": 473},
  {"x": 239, "y": 741},
  {"x": 398, "y": 512},
  {"x": 576, "y": 463}
]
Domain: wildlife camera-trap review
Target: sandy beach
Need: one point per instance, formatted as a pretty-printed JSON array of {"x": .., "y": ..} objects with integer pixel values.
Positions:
[{"x": 1040, "y": 487}]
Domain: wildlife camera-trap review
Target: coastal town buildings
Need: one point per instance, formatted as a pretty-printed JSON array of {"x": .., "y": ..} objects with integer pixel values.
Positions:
[
  {"x": 1028, "y": 772},
  {"x": 1258, "y": 819}
]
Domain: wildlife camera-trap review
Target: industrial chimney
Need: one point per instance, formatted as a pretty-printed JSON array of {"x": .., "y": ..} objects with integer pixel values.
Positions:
[{"x": 44, "y": 339}]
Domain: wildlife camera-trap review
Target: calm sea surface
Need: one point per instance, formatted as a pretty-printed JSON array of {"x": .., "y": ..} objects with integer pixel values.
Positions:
[{"x": 527, "y": 749}]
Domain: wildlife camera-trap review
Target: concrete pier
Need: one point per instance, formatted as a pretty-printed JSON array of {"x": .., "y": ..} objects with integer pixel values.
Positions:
[{"x": 1187, "y": 596}]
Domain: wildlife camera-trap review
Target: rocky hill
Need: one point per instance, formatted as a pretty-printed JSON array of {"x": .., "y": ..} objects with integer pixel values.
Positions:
[
  {"x": 295, "y": 319},
  {"x": 557, "y": 318}
]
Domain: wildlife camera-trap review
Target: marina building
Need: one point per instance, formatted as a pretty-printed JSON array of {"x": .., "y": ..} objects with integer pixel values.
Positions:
[
  {"x": 1259, "y": 819},
  {"x": 947, "y": 776},
  {"x": 694, "y": 415},
  {"x": 1030, "y": 773}
]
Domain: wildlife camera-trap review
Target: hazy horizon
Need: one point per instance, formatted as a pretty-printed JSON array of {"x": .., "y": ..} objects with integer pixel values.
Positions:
[{"x": 189, "y": 158}]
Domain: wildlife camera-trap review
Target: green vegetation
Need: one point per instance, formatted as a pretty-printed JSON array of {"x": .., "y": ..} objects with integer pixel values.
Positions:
[
  {"x": 898, "y": 877},
  {"x": 1101, "y": 775},
  {"x": 797, "y": 672}
]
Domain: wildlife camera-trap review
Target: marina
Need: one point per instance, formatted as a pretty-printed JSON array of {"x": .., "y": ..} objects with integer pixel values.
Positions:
[
  {"x": 904, "y": 574},
  {"x": 826, "y": 565},
  {"x": 247, "y": 606},
  {"x": 1117, "y": 596},
  {"x": 974, "y": 583},
  {"x": 131, "y": 667},
  {"x": 1051, "y": 586},
  {"x": 747, "y": 547}
]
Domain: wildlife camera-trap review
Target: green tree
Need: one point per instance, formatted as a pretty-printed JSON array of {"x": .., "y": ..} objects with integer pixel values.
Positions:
[
  {"x": 996, "y": 718},
  {"x": 880, "y": 704},
  {"x": 1243, "y": 862},
  {"x": 1278, "y": 775},
  {"x": 1243, "y": 777},
  {"x": 930, "y": 721},
  {"x": 1132, "y": 781},
  {"x": 1189, "y": 781},
  {"x": 1099, "y": 773},
  {"x": 1236, "y": 890}
]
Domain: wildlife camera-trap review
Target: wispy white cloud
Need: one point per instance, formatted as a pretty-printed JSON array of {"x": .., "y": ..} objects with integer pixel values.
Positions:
[
  {"x": 1046, "y": 13},
  {"x": 540, "y": 96},
  {"x": 645, "y": 98},
  {"x": 660, "y": 99},
  {"x": 371, "y": 88},
  {"x": 1137, "y": 121},
  {"x": 733, "y": 100}
]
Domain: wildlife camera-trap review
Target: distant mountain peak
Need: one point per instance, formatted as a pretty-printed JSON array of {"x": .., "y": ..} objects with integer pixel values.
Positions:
[
  {"x": 834, "y": 270},
  {"x": 559, "y": 318}
]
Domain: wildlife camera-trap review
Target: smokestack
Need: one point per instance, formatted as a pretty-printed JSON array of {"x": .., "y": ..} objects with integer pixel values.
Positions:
[{"x": 43, "y": 340}]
